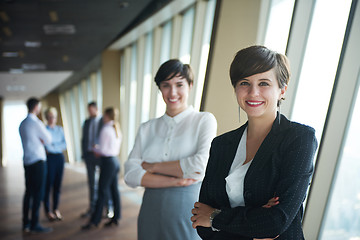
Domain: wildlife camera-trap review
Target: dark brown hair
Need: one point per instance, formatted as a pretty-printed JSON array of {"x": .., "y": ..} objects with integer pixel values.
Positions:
[
  {"x": 32, "y": 103},
  {"x": 258, "y": 59},
  {"x": 172, "y": 68}
]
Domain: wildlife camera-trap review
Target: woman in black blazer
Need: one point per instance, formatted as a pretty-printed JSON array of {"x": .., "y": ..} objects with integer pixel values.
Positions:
[{"x": 257, "y": 175}]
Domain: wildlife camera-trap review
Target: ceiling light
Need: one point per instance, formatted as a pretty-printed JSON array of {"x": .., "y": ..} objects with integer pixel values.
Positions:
[
  {"x": 4, "y": 16},
  {"x": 10, "y": 54},
  {"x": 59, "y": 29},
  {"x": 16, "y": 70},
  {"x": 123, "y": 4},
  {"x": 7, "y": 31},
  {"x": 65, "y": 58},
  {"x": 15, "y": 88},
  {"x": 53, "y": 16},
  {"x": 33, "y": 66},
  {"x": 32, "y": 44}
]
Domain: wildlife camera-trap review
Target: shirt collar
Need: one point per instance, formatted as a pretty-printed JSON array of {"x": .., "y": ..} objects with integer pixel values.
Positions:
[
  {"x": 178, "y": 118},
  {"x": 33, "y": 116}
]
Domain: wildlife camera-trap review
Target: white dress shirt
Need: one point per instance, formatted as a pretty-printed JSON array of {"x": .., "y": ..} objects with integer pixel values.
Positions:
[
  {"x": 186, "y": 137},
  {"x": 235, "y": 179},
  {"x": 33, "y": 135},
  {"x": 109, "y": 143}
]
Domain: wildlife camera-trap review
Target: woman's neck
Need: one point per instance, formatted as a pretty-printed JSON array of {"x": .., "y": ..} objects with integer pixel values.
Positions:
[{"x": 259, "y": 127}]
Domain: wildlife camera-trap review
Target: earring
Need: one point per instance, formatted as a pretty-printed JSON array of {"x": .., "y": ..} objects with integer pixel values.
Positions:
[{"x": 279, "y": 108}]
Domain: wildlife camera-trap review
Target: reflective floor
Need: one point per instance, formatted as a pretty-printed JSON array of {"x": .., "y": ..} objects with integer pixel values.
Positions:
[{"x": 73, "y": 203}]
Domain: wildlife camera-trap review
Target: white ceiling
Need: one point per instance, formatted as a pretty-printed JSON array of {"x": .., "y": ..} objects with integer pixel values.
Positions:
[{"x": 35, "y": 84}]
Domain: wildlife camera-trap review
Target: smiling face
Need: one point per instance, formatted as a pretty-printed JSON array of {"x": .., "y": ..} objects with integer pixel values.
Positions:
[
  {"x": 175, "y": 93},
  {"x": 258, "y": 95}
]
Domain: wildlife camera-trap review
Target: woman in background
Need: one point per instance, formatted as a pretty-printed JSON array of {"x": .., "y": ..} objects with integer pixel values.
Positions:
[
  {"x": 55, "y": 165},
  {"x": 169, "y": 158},
  {"x": 108, "y": 150}
]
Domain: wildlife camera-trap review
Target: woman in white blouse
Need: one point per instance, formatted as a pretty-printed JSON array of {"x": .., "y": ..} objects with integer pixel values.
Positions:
[
  {"x": 169, "y": 158},
  {"x": 108, "y": 149}
]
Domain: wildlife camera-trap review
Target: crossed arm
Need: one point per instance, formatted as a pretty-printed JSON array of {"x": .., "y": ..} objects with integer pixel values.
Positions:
[{"x": 164, "y": 174}]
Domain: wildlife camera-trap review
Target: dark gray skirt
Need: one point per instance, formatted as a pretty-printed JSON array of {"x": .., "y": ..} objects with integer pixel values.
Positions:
[{"x": 165, "y": 213}]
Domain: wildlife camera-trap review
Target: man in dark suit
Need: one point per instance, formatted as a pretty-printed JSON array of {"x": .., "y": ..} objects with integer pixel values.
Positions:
[{"x": 90, "y": 134}]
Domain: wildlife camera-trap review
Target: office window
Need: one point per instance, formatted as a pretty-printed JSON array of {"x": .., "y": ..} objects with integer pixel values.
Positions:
[
  {"x": 132, "y": 95},
  {"x": 145, "y": 111},
  {"x": 320, "y": 63},
  {"x": 278, "y": 25},
  {"x": 181, "y": 31},
  {"x": 342, "y": 218},
  {"x": 75, "y": 118},
  {"x": 187, "y": 27},
  {"x": 164, "y": 56},
  {"x": 99, "y": 92}
]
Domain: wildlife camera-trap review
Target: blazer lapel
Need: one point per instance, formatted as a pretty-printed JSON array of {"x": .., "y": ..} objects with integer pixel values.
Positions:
[{"x": 268, "y": 145}]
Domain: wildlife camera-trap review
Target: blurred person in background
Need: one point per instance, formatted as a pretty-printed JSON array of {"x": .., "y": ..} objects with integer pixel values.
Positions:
[
  {"x": 34, "y": 136},
  {"x": 55, "y": 164}
]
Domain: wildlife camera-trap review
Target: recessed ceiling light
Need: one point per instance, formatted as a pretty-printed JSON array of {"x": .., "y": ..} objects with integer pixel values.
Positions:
[
  {"x": 4, "y": 16},
  {"x": 16, "y": 70},
  {"x": 65, "y": 58},
  {"x": 15, "y": 88},
  {"x": 53, "y": 16},
  {"x": 32, "y": 44},
  {"x": 123, "y": 4},
  {"x": 33, "y": 66},
  {"x": 7, "y": 31},
  {"x": 59, "y": 29},
  {"x": 10, "y": 54}
]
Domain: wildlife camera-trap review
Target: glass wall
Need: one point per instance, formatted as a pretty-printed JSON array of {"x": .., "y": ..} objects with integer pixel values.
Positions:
[
  {"x": 342, "y": 220},
  {"x": 73, "y": 106},
  {"x": 175, "y": 37},
  {"x": 320, "y": 63}
]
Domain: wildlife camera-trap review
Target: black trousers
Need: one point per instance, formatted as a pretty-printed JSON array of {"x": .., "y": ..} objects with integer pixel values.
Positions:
[
  {"x": 35, "y": 176},
  {"x": 91, "y": 162},
  {"x": 55, "y": 170},
  {"x": 108, "y": 188}
]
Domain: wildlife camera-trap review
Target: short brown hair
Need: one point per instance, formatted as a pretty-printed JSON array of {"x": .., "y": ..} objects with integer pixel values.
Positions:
[
  {"x": 258, "y": 59},
  {"x": 172, "y": 68}
]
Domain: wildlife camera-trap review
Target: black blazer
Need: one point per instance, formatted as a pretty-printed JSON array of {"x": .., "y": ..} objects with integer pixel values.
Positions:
[
  {"x": 85, "y": 135},
  {"x": 282, "y": 167}
]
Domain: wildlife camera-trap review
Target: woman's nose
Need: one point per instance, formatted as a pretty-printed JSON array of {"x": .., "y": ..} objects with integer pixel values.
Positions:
[{"x": 254, "y": 90}]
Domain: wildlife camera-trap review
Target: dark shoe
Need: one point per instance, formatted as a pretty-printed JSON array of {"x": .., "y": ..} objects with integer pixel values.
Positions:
[
  {"x": 58, "y": 215},
  {"x": 89, "y": 226},
  {"x": 86, "y": 214},
  {"x": 111, "y": 222},
  {"x": 40, "y": 229},
  {"x": 26, "y": 228},
  {"x": 50, "y": 216}
]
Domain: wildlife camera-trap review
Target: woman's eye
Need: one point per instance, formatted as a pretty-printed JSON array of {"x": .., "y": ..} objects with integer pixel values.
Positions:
[
  {"x": 243, "y": 84},
  {"x": 180, "y": 85},
  {"x": 264, "y": 84}
]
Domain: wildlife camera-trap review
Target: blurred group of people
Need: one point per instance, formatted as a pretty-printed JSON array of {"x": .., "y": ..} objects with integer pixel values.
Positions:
[
  {"x": 249, "y": 183},
  {"x": 44, "y": 164}
]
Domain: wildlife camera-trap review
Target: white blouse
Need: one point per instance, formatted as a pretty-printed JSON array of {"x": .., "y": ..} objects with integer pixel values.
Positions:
[
  {"x": 186, "y": 137},
  {"x": 109, "y": 143},
  {"x": 235, "y": 179}
]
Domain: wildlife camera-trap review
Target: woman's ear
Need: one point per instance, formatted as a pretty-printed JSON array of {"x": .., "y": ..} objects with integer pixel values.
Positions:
[
  {"x": 191, "y": 85},
  {"x": 283, "y": 91}
]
